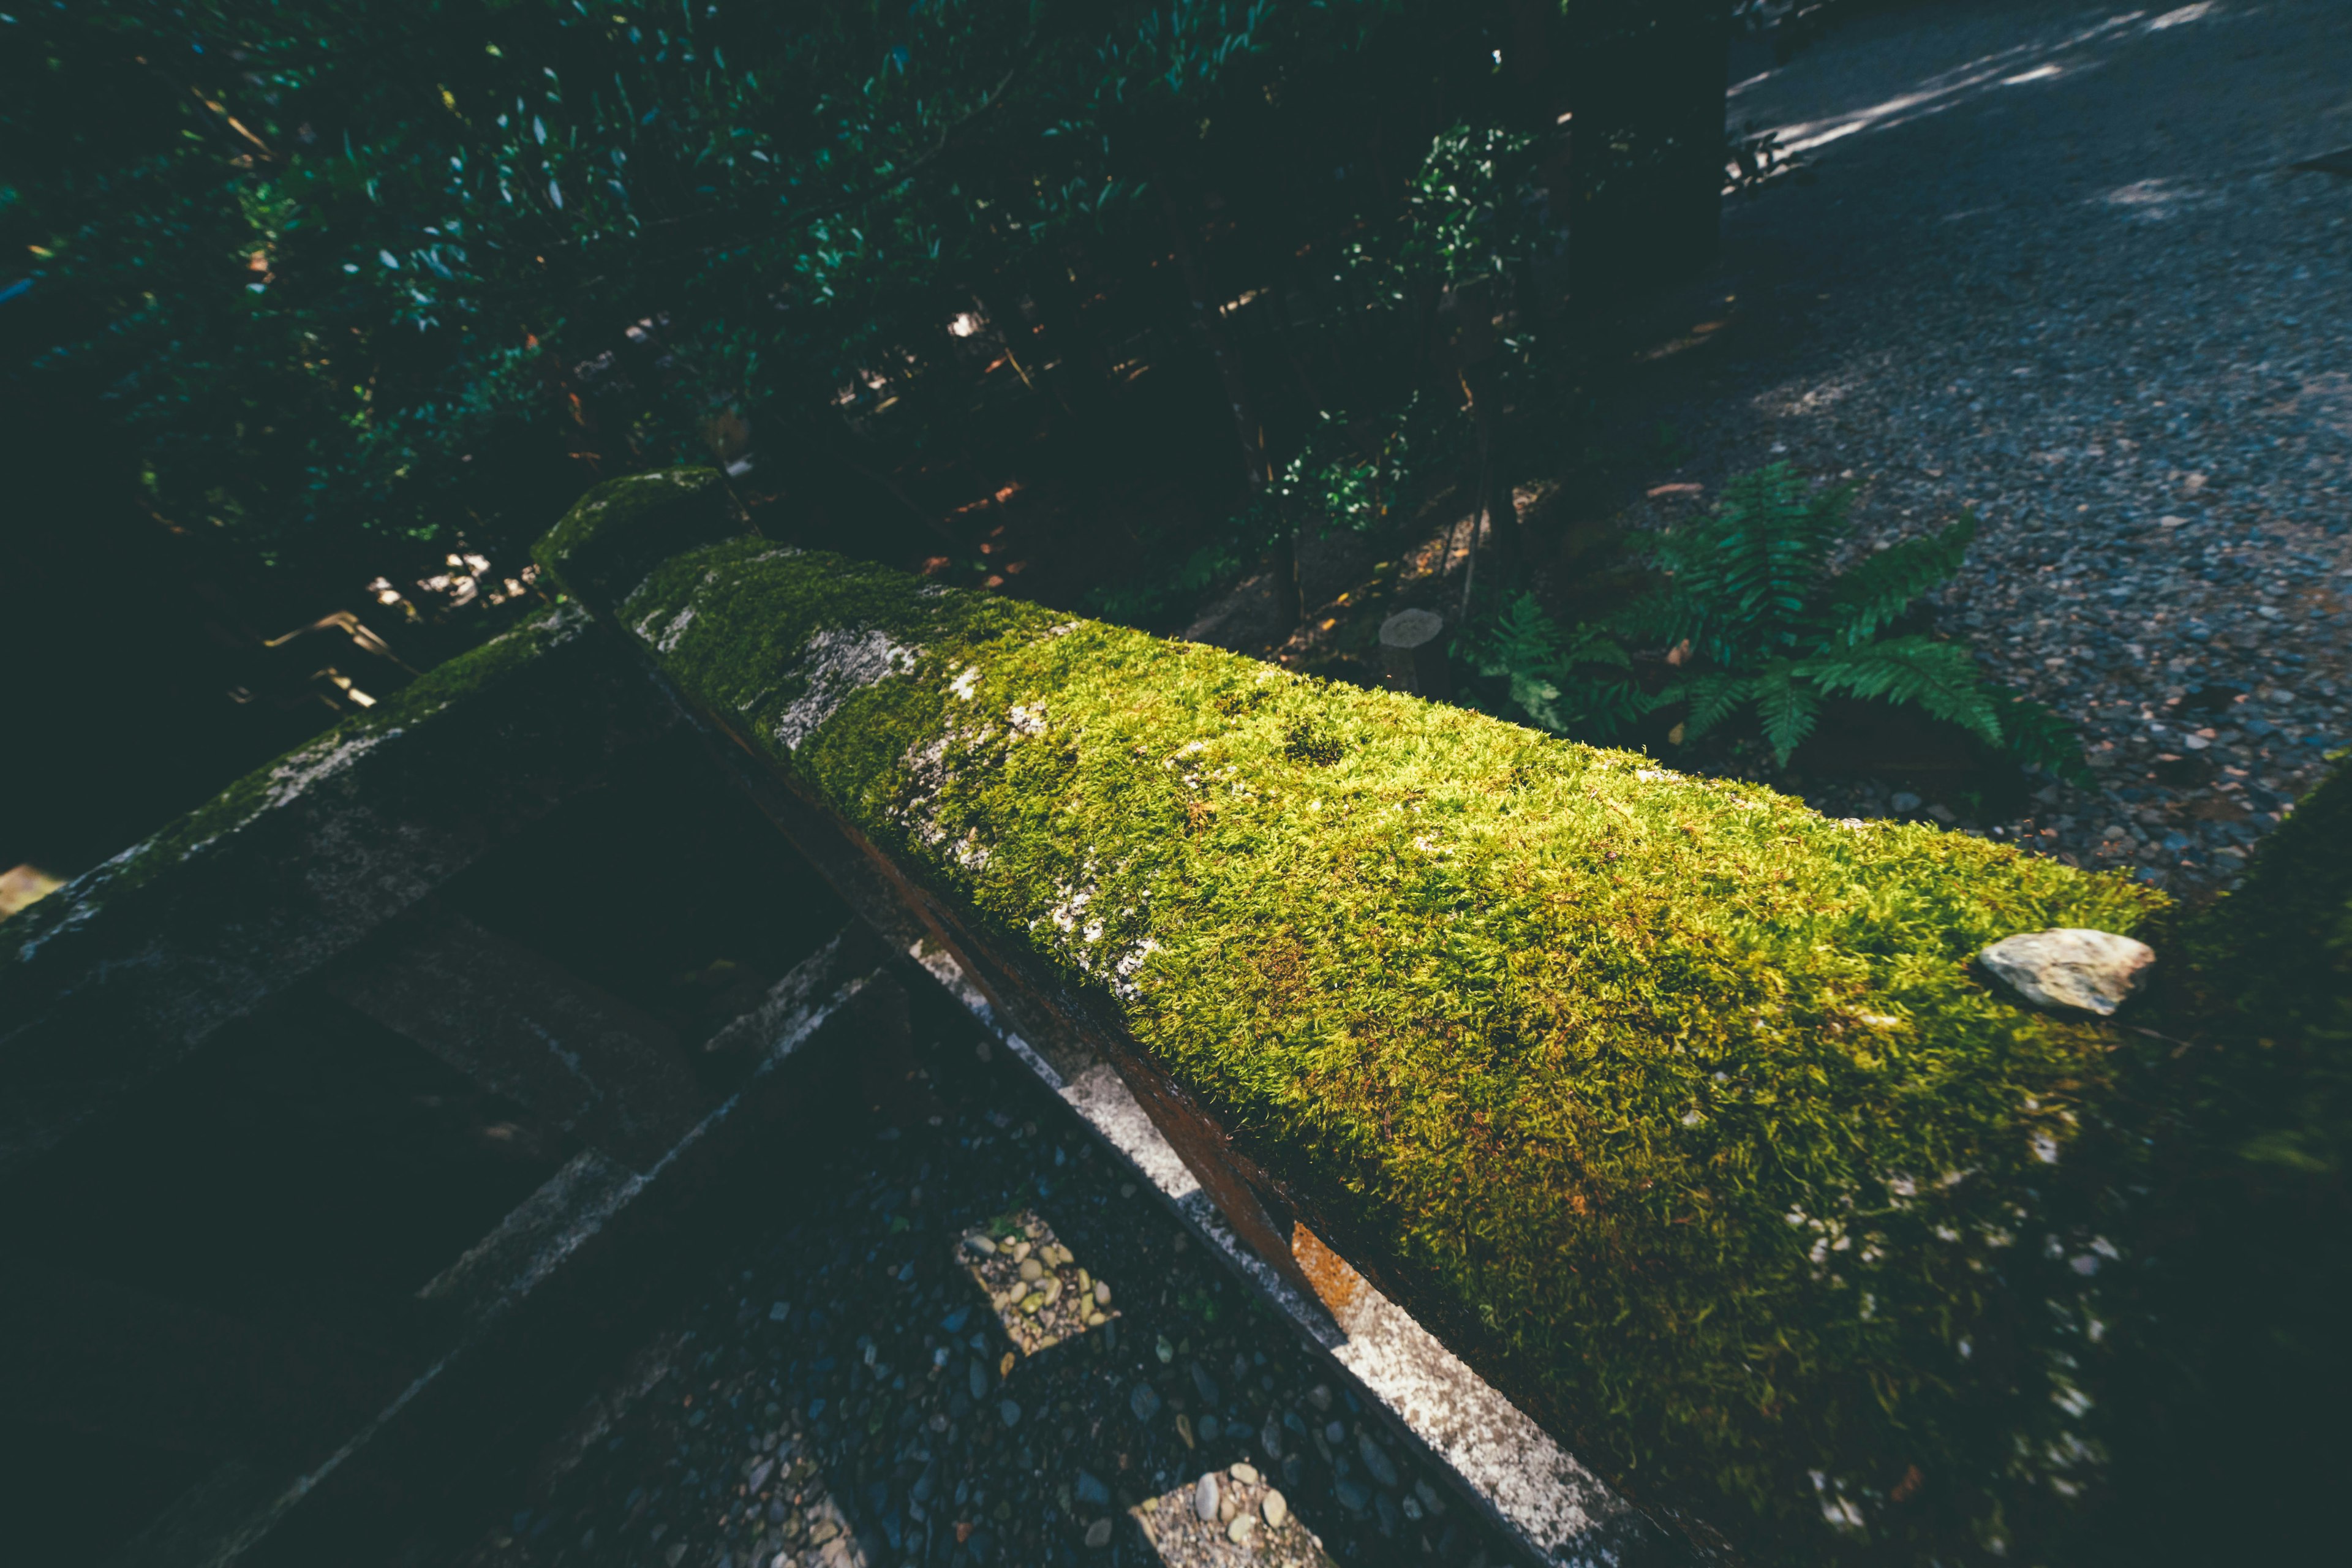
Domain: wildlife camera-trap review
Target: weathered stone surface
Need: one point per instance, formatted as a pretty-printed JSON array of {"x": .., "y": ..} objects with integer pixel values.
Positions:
[
  {"x": 582, "y": 1062},
  {"x": 131, "y": 965},
  {"x": 621, "y": 531},
  {"x": 2070, "y": 967}
]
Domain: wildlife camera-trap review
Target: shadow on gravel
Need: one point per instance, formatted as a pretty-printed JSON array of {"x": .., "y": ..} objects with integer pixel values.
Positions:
[{"x": 844, "y": 1390}]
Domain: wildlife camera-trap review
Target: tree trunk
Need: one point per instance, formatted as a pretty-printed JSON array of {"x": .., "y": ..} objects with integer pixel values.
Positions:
[
  {"x": 1648, "y": 90},
  {"x": 1480, "y": 509},
  {"x": 1249, "y": 434},
  {"x": 1289, "y": 598}
]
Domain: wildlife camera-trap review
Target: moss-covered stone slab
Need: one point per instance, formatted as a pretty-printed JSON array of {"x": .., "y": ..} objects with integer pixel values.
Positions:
[
  {"x": 133, "y": 963},
  {"x": 1676, "y": 1109}
]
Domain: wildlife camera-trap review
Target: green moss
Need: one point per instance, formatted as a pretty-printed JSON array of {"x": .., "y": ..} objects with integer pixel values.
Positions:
[
  {"x": 619, "y": 530},
  {"x": 1681, "y": 1102},
  {"x": 444, "y": 686}
]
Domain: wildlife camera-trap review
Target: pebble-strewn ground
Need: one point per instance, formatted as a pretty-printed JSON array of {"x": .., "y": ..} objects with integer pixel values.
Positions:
[
  {"x": 845, "y": 1393},
  {"x": 2052, "y": 264}
]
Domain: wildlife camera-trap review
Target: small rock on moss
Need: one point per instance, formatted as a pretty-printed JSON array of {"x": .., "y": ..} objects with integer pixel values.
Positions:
[{"x": 2087, "y": 971}]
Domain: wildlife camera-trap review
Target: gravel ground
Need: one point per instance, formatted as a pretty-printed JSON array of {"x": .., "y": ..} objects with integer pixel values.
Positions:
[
  {"x": 2051, "y": 263},
  {"x": 865, "y": 1384}
]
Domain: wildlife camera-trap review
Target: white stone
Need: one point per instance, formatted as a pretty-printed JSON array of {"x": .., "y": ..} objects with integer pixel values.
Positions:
[
  {"x": 2088, "y": 971},
  {"x": 1205, "y": 1498}
]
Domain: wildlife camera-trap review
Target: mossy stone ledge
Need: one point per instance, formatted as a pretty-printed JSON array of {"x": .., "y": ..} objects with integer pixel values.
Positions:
[
  {"x": 1681, "y": 1105},
  {"x": 449, "y": 687}
]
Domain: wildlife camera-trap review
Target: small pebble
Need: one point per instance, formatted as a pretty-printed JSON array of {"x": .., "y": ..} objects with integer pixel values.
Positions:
[
  {"x": 2086, "y": 971},
  {"x": 1277, "y": 1508},
  {"x": 1204, "y": 1496}
]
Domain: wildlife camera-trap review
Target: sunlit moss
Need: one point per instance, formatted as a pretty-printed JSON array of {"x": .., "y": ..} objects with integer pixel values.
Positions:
[{"x": 1680, "y": 1102}]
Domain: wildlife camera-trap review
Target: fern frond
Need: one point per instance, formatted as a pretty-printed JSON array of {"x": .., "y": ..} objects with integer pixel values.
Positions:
[
  {"x": 1746, "y": 575},
  {"x": 1550, "y": 675},
  {"x": 1939, "y": 676},
  {"x": 1868, "y": 598},
  {"x": 1604, "y": 707},
  {"x": 2038, "y": 736},
  {"x": 1539, "y": 699},
  {"x": 1520, "y": 637},
  {"x": 1664, "y": 614},
  {"x": 1787, "y": 708},
  {"x": 1712, "y": 699},
  {"x": 1588, "y": 644}
]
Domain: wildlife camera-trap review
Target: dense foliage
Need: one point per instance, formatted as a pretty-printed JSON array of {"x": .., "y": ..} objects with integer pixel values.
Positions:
[{"x": 344, "y": 269}]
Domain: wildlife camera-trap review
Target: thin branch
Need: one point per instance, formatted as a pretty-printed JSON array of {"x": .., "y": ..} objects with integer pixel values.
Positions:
[{"x": 214, "y": 107}]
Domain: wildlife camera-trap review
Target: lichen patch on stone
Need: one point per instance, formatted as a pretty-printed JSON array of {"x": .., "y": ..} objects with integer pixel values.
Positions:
[
  {"x": 667, "y": 641},
  {"x": 836, "y": 664}
]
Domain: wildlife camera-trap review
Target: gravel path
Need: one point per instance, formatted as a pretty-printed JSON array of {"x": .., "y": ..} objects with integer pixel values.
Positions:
[
  {"x": 867, "y": 1385},
  {"x": 2051, "y": 262}
]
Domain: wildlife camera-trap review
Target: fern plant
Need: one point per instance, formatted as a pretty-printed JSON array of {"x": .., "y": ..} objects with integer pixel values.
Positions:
[
  {"x": 1578, "y": 681},
  {"x": 1750, "y": 600}
]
